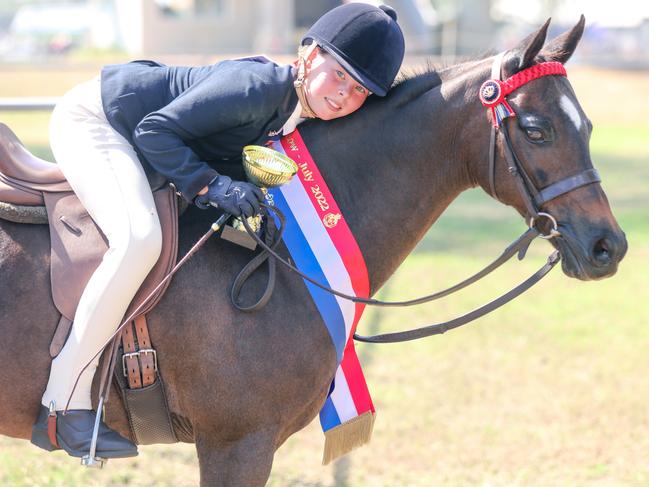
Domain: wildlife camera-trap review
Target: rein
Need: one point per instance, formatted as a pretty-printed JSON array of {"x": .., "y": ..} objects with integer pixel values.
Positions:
[
  {"x": 519, "y": 246},
  {"x": 492, "y": 94}
]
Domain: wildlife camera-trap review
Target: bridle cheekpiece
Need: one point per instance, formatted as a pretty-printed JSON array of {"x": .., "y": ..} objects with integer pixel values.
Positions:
[{"x": 493, "y": 95}]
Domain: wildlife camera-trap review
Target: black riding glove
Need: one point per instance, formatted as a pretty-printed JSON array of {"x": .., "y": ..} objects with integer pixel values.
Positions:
[{"x": 234, "y": 197}]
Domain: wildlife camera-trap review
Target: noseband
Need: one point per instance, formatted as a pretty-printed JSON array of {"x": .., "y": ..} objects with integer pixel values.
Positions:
[{"x": 492, "y": 94}]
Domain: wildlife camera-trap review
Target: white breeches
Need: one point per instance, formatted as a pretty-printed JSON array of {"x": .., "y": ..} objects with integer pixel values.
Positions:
[{"x": 105, "y": 173}]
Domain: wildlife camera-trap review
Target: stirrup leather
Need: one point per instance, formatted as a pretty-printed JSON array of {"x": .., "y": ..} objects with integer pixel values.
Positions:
[{"x": 51, "y": 425}]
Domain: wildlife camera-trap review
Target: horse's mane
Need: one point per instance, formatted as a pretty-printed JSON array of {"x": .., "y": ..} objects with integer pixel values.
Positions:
[
  {"x": 412, "y": 82},
  {"x": 430, "y": 70}
]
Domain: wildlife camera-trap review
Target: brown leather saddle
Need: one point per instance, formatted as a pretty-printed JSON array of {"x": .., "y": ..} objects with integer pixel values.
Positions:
[
  {"x": 77, "y": 244},
  {"x": 77, "y": 247}
]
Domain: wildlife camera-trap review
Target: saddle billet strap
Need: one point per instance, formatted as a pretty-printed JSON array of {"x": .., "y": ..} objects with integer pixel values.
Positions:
[
  {"x": 60, "y": 336},
  {"x": 129, "y": 360},
  {"x": 147, "y": 354},
  {"x": 139, "y": 361}
]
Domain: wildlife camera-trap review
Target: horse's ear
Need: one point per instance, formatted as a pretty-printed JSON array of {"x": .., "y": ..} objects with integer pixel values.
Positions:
[
  {"x": 561, "y": 47},
  {"x": 522, "y": 56}
]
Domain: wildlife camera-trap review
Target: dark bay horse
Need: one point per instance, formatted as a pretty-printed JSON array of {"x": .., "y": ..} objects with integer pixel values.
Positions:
[{"x": 239, "y": 384}]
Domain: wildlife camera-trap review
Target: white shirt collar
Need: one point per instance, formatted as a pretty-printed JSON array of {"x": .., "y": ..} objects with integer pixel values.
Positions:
[{"x": 294, "y": 120}]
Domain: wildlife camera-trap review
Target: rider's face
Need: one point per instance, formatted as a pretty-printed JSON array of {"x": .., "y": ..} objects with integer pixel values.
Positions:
[{"x": 330, "y": 90}]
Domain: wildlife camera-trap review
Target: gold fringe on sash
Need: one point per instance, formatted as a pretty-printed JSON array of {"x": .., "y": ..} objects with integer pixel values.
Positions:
[{"x": 347, "y": 436}]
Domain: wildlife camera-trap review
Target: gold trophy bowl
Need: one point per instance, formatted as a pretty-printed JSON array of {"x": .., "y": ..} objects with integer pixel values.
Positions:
[{"x": 266, "y": 168}]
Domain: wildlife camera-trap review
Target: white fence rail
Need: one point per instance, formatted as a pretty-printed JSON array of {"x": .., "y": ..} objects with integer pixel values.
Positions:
[{"x": 33, "y": 103}]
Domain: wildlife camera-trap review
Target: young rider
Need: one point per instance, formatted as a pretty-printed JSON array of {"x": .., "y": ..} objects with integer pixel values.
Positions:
[{"x": 144, "y": 118}]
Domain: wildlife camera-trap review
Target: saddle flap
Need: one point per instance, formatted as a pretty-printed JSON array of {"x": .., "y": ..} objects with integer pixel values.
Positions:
[{"x": 78, "y": 245}]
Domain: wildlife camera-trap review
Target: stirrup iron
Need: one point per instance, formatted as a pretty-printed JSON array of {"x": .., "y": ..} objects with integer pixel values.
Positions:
[{"x": 90, "y": 460}]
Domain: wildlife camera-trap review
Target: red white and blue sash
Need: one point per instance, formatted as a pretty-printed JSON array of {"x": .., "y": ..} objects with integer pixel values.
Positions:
[{"x": 323, "y": 247}]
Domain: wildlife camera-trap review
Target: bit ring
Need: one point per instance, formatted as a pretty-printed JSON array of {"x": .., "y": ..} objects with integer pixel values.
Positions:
[{"x": 554, "y": 232}]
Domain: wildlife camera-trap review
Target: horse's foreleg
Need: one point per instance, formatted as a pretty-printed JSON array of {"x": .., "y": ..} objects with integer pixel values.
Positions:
[{"x": 245, "y": 462}]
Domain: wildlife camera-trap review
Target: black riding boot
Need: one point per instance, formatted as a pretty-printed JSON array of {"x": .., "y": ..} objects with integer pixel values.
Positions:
[{"x": 74, "y": 435}]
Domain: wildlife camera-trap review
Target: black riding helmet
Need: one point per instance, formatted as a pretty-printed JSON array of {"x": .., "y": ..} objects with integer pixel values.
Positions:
[{"x": 365, "y": 40}]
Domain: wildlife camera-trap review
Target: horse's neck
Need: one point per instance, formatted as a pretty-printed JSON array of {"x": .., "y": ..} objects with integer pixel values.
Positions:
[{"x": 393, "y": 189}]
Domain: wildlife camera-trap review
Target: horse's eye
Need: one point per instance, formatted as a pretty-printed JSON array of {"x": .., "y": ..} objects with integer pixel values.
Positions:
[{"x": 534, "y": 134}]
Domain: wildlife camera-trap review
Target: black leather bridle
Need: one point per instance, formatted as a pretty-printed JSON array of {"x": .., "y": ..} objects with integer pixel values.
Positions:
[{"x": 493, "y": 94}]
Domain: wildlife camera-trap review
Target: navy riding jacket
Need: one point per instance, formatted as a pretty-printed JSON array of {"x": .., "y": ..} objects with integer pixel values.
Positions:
[{"x": 183, "y": 120}]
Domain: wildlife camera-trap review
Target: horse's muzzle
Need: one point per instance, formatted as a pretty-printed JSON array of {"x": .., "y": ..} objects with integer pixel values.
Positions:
[{"x": 595, "y": 257}]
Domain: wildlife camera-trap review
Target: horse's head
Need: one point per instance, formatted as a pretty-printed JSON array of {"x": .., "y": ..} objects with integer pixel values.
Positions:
[{"x": 547, "y": 168}]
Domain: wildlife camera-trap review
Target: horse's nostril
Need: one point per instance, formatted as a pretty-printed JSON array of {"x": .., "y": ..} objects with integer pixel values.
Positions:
[{"x": 603, "y": 251}]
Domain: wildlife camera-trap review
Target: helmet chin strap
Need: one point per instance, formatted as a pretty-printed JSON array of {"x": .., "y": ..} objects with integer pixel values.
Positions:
[{"x": 299, "y": 81}]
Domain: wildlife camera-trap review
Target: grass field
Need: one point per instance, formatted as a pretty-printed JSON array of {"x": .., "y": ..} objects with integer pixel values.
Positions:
[{"x": 552, "y": 390}]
